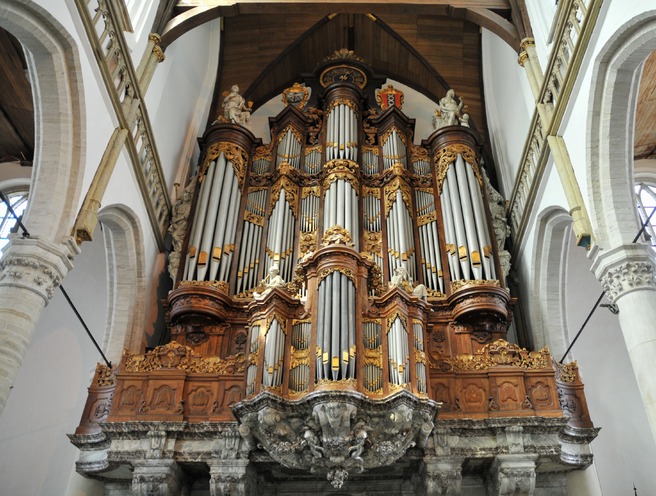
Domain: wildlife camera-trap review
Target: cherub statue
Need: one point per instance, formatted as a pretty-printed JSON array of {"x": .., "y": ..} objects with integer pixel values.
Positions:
[
  {"x": 449, "y": 112},
  {"x": 235, "y": 108},
  {"x": 273, "y": 280}
]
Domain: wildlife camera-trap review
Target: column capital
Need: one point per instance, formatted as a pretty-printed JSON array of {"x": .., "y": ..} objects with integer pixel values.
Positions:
[
  {"x": 625, "y": 269},
  {"x": 36, "y": 265},
  {"x": 526, "y": 42}
]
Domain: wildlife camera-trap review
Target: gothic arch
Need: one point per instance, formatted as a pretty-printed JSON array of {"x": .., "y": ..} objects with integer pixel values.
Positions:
[
  {"x": 126, "y": 280},
  {"x": 54, "y": 70},
  {"x": 548, "y": 300},
  {"x": 615, "y": 81}
]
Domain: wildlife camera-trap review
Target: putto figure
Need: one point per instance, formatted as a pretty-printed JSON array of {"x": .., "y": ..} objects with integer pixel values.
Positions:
[{"x": 273, "y": 280}]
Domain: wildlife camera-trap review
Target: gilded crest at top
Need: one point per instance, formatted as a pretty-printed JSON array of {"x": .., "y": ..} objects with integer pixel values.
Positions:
[
  {"x": 389, "y": 97},
  {"x": 296, "y": 95}
]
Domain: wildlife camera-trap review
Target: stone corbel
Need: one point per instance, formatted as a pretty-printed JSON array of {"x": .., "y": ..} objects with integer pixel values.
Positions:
[
  {"x": 513, "y": 474},
  {"x": 443, "y": 476},
  {"x": 157, "y": 478},
  {"x": 229, "y": 478}
]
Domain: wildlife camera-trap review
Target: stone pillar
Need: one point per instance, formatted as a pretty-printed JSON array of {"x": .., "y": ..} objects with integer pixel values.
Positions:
[
  {"x": 157, "y": 478},
  {"x": 528, "y": 59},
  {"x": 30, "y": 272},
  {"x": 229, "y": 477},
  {"x": 580, "y": 219},
  {"x": 628, "y": 277},
  {"x": 513, "y": 475},
  {"x": 443, "y": 476}
]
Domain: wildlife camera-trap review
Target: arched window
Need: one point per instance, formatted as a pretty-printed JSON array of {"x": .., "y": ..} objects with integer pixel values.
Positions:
[
  {"x": 18, "y": 201},
  {"x": 646, "y": 203}
]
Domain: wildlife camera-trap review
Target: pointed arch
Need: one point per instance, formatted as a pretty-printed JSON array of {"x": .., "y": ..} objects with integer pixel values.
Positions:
[
  {"x": 611, "y": 128},
  {"x": 126, "y": 279},
  {"x": 55, "y": 73},
  {"x": 548, "y": 302}
]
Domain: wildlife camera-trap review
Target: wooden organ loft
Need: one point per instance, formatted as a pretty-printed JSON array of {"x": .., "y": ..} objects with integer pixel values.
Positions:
[{"x": 374, "y": 349}]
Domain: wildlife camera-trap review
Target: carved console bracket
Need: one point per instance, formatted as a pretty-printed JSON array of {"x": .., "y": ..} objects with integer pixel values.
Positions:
[{"x": 336, "y": 432}]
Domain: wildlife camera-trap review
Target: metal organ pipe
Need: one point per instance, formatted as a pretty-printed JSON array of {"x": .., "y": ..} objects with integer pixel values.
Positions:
[
  {"x": 449, "y": 232},
  {"x": 460, "y": 236},
  {"x": 468, "y": 217},
  {"x": 481, "y": 224},
  {"x": 201, "y": 211}
]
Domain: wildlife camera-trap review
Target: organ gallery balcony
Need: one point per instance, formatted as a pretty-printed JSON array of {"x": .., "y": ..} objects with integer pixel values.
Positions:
[{"x": 339, "y": 317}]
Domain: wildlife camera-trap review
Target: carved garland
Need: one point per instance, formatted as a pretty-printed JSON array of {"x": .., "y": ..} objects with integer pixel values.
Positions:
[
  {"x": 499, "y": 353},
  {"x": 294, "y": 131},
  {"x": 460, "y": 284},
  {"x": 446, "y": 156},
  {"x": 233, "y": 153},
  {"x": 177, "y": 356},
  {"x": 291, "y": 195},
  {"x": 220, "y": 285},
  {"x": 392, "y": 319},
  {"x": 326, "y": 272},
  {"x": 390, "y": 195},
  {"x": 337, "y": 235}
]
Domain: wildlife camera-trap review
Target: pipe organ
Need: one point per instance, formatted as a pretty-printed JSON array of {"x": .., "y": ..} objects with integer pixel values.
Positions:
[{"x": 340, "y": 285}]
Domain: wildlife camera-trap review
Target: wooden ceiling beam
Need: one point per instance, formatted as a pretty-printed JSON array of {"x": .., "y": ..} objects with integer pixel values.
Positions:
[
  {"x": 197, "y": 12},
  {"x": 495, "y": 23},
  {"x": 353, "y": 4}
]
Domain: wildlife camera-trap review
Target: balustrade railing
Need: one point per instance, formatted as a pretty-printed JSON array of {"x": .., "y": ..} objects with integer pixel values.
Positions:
[
  {"x": 125, "y": 85},
  {"x": 577, "y": 19}
]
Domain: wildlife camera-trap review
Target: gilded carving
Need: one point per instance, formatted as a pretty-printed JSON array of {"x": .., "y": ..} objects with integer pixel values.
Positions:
[
  {"x": 427, "y": 218},
  {"x": 307, "y": 242},
  {"x": 177, "y": 356},
  {"x": 343, "y": 74},
  {"x": 459, "y": 284},
  {"x": 447, "y": 155},
  {"x": 373, "y": 357},
  {"x": 105, "y": 376},
  {"x": 296, "y": 95},
  {"x": 373, "y": 242},
  {"x": 566, "y": 372},
  {"x": 499, "y": 353},
  {"x": 336, "y": 169},
  {"x": 299, "y": 357},
  {"x": 337, "y": 235},
  {"x": 220, "y": 285},
  {"x": 291, "y": 195},
  {"x": 390, "y": 195},
  {"x": 389, "y": 97},
  {"x": 326, "y": 272},
  {"x": 233, "y": 153},
  {"x": 253, "y": 218}
]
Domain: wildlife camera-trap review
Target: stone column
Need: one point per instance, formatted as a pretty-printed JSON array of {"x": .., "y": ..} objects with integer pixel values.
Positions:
[
  {"x": 229, "y": 477},
  {"x": 628, "y": 277},
  {"x": 443, "y": 476},
  {"x": 513, "y": 475},
  {"x": 528, "y": 59},
  {"x": 152, "y": 56},
  {"x": 30, "y": 272},
  {"x": 157, "y": 478}
]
